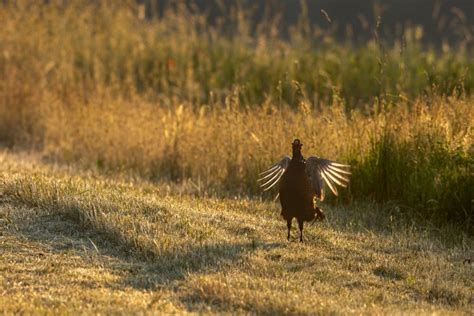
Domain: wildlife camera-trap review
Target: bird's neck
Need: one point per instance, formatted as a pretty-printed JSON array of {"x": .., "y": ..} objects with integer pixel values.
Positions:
[{"x": 297, "y": 156}]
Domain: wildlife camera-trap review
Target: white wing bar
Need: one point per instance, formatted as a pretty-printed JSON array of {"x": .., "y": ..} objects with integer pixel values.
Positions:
[
  {"x": 274, "y": 173},
  {"x": 319, "y": 169}
]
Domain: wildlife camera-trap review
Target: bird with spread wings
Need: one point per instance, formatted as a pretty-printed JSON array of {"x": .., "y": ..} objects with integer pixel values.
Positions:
[{"x": 301, "y": 180}]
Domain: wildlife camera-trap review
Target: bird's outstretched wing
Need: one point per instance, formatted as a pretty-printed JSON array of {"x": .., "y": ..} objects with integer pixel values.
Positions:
[
  {"x": 272, "y": 175},
  {"x": 320, "y": 171}
]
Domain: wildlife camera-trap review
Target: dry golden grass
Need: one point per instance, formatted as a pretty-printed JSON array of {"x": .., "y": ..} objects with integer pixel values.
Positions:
[
  {"x": 225, "y": 142},
  {"x": 84, "y": 243},
  {"x": 147, "y": 137},
  {"x": 173, "y": 98},
  {"x": 415, "y": 153}
]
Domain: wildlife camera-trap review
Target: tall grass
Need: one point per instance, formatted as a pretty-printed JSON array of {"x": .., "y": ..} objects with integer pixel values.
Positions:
[
  {"x": 416, "y": 155},
  {"x": 86, "y": 45},
  {"x": 172, "y": 98}
]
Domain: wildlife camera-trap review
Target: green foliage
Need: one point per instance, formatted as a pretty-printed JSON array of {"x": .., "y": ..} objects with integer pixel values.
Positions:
[{"x": 422, "y": 175}]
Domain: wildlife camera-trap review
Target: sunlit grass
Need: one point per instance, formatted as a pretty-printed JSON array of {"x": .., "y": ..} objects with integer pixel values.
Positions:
[
  {"x": 413, "y": 154},
  {"x": 135, "y": 144},
  {"x": 84, "y": 46},
  {"x": 173, "y": 98},
  {"x": 79, "y": 241}
]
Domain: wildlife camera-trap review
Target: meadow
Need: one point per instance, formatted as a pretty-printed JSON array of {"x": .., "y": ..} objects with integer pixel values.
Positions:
[
  {"x": 78, "y": 242},
  {"x": 131, "y": 146}
]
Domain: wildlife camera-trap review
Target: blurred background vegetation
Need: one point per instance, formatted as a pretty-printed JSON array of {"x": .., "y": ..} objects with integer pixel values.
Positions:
[{"x": 171, "y": 93}]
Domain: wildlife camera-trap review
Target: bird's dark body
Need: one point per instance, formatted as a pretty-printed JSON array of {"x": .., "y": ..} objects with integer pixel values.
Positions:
[{"x": 296, "y": 194}]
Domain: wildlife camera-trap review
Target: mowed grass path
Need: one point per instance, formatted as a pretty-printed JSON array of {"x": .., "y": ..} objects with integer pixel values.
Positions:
[{"x": 79, "y": 242}]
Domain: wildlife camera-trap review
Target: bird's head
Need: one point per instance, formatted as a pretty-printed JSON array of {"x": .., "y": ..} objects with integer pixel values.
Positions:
[{"x": 297, "y": 145}]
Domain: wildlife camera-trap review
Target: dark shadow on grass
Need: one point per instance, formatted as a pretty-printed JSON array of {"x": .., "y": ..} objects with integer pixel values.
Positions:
[
  {"x": 172, "y": 266},
  {"x": 143, "y": 267}
]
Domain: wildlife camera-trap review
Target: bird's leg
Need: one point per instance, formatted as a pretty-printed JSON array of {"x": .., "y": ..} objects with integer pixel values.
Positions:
[
  {"x": 300, "y": 223},
  {"x": 288, "y": 224}
]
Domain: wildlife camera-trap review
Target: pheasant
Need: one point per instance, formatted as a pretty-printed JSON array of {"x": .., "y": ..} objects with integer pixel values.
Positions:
[{"x": 301, "y": 181}]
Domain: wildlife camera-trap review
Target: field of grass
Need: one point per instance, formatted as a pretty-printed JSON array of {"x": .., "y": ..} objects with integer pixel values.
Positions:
[
  {"x": 130, "y": 149},
  {"x": 78, "y": 242}
]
